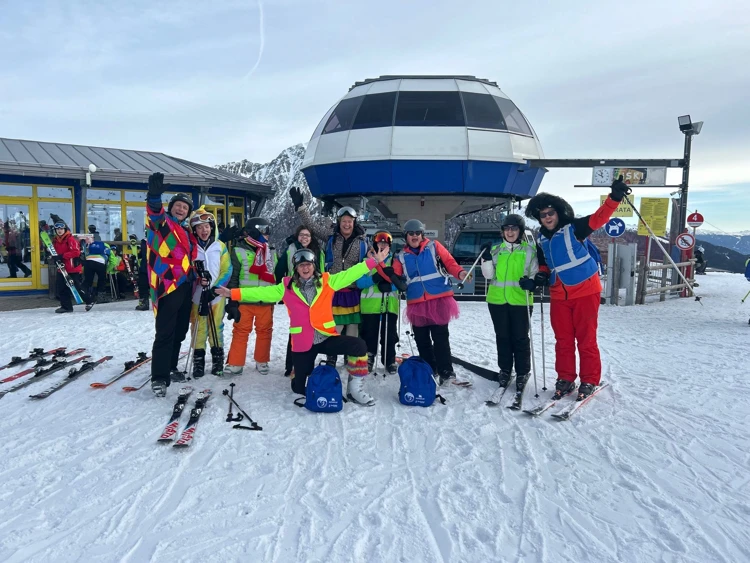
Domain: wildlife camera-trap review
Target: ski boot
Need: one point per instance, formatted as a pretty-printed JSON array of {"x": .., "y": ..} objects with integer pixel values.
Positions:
[
  {"x": 89, "y": 306},
  {"x": 142, "y": 304},
  {"x": 331, "y": 360},
  {"x": 217, "y": 360},
  {"x": 159, "y": 388},
  {"x": 585, "y": 390},
  {"x": 521, "y": 382},
  {"x": 262, "y": 367},
  {"x": 233, "y": 370},
  {"x": 370, "y": 362},
  {"x": 63, "y": 310},
  {"x": 562, "y": 388},
  {"x": 357, "y": 393},
  {"x": 447, "y": 375},
  {"x": 392, "y": 368},
  {"x": 503, "y": 378},
  {"x": 199, "y": 363},
  {"x": 176, "y": 375}
]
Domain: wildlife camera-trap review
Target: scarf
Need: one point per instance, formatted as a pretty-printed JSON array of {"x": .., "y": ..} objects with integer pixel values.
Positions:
[{"x": 262, "y": 266}]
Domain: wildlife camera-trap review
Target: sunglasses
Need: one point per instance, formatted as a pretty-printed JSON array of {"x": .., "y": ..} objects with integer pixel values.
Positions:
[
  {"x": 511, "y": 228},
  {"x": 543, "y": 214},
  {"x": 414, "y": 233}
]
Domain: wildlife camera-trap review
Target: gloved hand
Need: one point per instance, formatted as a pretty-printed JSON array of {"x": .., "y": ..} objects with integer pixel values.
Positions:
[
  {"x": 377, "y": 278},
  {"x": 399, "y": 282},
  {"x": 541, "y": 279},
  {"x": 297, "y": 199},
  {"x": 619, "y": 189},
  {"x": 527, "y": 284},
  {"x": 233, "y": 311},
  {"x": 156, "y": 184},
  {"x": 384, "y": 286},
  {"x": 388, "y": 271},
  {"x": 486, "y": 247},
  {"x": 211, "y": 294},
  {"x": 206, "y": 278},
  {"x": 229, "y": 234},
  {"x": 59, "y": 259}
]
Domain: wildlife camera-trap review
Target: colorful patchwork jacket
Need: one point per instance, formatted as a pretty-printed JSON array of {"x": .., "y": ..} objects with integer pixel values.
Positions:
[{"x": 171, "y": 251}]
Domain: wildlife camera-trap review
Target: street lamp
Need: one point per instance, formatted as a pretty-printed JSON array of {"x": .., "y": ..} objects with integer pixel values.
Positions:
[{"x": 689, "y": 129}]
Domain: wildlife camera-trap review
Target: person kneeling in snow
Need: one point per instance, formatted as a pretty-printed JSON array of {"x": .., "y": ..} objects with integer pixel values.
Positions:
[
  {"x": 573, "y": 276},
  {"x": 308, "y": 296}
]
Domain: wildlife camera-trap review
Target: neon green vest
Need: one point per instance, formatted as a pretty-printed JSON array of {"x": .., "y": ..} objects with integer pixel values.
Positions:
[
  {"x": 371, "y": 299},
  {"x": 510, "y": 266}
]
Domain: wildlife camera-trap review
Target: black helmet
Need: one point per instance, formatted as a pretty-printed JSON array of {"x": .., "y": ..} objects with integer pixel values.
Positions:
[
  {"x": 516, "y": 220},
  {"x": 414, "y": 225},
  {"x": 184, "y": 198},
  {"x": 350, "y": 211},
  {"x": 257, "y": 226},
  {"x": 302, "y": 256}
]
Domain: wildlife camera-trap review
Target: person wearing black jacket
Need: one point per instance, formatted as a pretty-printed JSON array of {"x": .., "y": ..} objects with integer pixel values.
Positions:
[{"x": 143, "y": 290}]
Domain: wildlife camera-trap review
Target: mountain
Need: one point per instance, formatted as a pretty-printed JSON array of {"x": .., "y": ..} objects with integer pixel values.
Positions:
[{"x": 739, "y": 242}]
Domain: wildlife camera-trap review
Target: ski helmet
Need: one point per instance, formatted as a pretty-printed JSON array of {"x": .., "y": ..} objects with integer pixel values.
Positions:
[
  {"x": 202, "y": 217},
  {"x": 514, "y": 220},
  {"x": 257, "y": 227},
  {"x": 414, "y": 225},
  {"x": 382, "y": 236},
  {"x": 303, "y": 256},
  {"x": 700, "y": 249},
  {"x": 344, "y": 211},
  {"x": 184, "y": 198}
]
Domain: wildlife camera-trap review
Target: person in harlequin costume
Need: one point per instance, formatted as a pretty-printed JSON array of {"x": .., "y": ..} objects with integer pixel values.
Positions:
[
  {"x": 308, "y": 297},
  {"x": 427, "y": 266},
  {"x": 380, "y": 306},
  {"x": 575, "y": 289},
  {"x": 69, "y": 255},
  {"x": 253, "y": 265},
  {"x": 172, "y": 249},
  {"x": 218, "y": 268}
]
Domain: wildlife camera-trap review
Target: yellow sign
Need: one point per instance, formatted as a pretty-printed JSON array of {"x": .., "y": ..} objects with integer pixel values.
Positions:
[
  {"x": 623, "y": 210},
  {"x": 654, "y": 211}
]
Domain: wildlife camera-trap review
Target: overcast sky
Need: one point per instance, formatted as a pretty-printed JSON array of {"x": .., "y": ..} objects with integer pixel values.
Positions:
[{"x": 226, "y": 80}]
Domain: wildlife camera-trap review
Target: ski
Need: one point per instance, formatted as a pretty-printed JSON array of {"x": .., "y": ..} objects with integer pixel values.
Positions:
[
  {"x": 479, "y": 370},
  {"x": 130, "y": 367},
  {"x": 131, "y": 388},
  {"x": 499, "y": 399},
  {"x": 187, "y": 434},
  {"x": 35, "y": 354},
  {"x": 517, "y": 403},
  {"x": 73, "y": 374},
  {"x": 170, "y": 430},
  {"x": 544, "y": 407},
  {"x": 61, "y": 268},
  {"x": 42, "y": 373},
  {"x": 42, "y": 362},
  {"x": 566, "y": 413}
]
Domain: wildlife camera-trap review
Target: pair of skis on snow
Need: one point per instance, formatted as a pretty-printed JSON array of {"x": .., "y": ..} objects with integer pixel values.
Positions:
[
  {"x": 45, "y": 366},
  {"x": 172, "y": 427}
]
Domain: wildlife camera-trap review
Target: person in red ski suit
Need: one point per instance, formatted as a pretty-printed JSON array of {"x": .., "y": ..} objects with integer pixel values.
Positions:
[
  {"x": 69, "y": 254},
  {"x": 575, "y": 289}
]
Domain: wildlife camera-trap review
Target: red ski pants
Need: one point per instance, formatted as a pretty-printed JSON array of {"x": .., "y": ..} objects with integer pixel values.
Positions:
[{"x": 574, "y": 322}]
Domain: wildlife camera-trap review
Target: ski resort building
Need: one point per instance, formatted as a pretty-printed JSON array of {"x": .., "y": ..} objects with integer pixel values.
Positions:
[{"x": 103, "y": 187}]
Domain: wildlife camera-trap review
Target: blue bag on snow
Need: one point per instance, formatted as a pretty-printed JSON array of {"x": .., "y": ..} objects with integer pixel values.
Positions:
[
  {"x": 323, "y": 393},
  {"x": 418, "y": 387}
]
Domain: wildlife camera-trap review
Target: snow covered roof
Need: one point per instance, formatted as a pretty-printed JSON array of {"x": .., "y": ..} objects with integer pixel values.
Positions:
[{"x": 59, "y": 160}]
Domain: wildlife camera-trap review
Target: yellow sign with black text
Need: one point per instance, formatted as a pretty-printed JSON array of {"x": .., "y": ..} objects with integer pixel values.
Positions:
[
  {"x": 654, "y": 211},
  {"x": 623, "y": 210}
]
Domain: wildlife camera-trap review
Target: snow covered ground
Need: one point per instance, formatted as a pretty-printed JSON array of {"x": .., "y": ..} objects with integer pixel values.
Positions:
[{"x": 656, "y": 468}]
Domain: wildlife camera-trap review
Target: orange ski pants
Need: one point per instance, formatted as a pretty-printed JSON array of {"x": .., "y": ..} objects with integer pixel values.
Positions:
[{"x": 262, "y": 316}]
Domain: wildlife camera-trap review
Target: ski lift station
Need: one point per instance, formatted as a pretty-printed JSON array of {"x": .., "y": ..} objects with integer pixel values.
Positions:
[{"x": 425, "y": 147}]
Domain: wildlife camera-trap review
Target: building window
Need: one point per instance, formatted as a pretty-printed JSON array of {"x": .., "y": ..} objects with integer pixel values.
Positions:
[
  {"x": 107, "y": 219},
  {"x": 482, "y": 111},
  {"x": 429, "y": 109},
  {"x": 136, "y": 218},
  {"x": 237, "y": 202},
  {"x": 376, "y": 111},
  {"x": 45, "y": 209},
  {"x": 514, "y": 119},
  {"x": 135, "y": 196},
  {"x": 57, "y": 193},
  {"x": 342, "y": 117},
  {"x": 14, "y": 190},
  {"x": 103, "y": 195}
]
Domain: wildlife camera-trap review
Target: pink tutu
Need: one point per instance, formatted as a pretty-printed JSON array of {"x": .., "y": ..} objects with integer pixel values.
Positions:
[{"x": 433, "y": 312}]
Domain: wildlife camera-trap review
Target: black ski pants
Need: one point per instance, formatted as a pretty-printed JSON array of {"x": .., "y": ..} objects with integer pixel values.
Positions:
[
  {"x": 63, "y": 291},
  {"x": 304, "y": 362},
  {"x": 433, "y": 343},
  {"x": 373, "y": 327},
  {"x": 93, "y": 268},
  {"x": 14, "y": 264},
  {"x": 172, "y": 323},
  {"x": 512, "y": 337}
]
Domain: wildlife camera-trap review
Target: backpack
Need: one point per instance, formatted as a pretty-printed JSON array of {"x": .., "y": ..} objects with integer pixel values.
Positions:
[
  {"x": 323, "y": 393},
  {"x": 418, "y": 387},
  {"x": 595, "y": 254}
]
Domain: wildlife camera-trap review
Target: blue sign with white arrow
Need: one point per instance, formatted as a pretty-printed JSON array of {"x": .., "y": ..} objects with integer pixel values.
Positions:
[{"x": 615, "y": 227}]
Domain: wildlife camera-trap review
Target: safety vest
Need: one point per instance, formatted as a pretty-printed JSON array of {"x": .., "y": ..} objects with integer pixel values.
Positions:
[
  {"x": 567, "y": 257},
  {"x": 305, "y": 319},
  {"x": 512, "y": 262},
  {"x": 246, "y": 256},
  {"x": 371, "y": 300},
  {"x": 424, "y": 277}
]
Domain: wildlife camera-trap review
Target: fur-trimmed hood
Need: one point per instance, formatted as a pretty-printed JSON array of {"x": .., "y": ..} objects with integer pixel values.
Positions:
[{"x": 542, "y": 200}]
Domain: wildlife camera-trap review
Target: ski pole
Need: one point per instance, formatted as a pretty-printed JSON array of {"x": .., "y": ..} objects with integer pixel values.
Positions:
[
  {"x": 531, "y": 341},
  {"x": 409, "y": 334},
  {"x": 743, "y": 299},
  {"x": 544, "y": 364},
  {"x": 253, "y": 424},
  {"x": 471, "y": 270},
  {"x": 193, "y": 338},
  {"x": 230, "y": 416},
  {"x": 648, "y": 228}
]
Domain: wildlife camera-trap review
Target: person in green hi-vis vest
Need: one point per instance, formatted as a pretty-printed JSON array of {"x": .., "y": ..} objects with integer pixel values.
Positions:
[{"x": 379, "y": 305}]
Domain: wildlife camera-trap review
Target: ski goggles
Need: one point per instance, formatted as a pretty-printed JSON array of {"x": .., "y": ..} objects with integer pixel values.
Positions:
[
  {"x": 262, "y": 229},
  {"x": 346, "y": 211},
  {"x": 202, "y": 218},
  {"x": 303, "y": 256},
  {"x": 383, "y": 237},
  {"x": 60, "y": 225}
]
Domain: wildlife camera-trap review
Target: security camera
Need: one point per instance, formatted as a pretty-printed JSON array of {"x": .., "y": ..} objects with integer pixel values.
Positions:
[{"x": 92, "y": 168}]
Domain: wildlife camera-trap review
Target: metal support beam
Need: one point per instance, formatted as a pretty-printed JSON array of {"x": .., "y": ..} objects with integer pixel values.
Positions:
[{"x": 614, "y": 162}]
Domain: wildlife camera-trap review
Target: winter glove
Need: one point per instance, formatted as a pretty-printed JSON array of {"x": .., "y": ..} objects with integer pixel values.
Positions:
[
  {"x": 541, "y": 279},
  {"x": 388, "y": 271},
  {"x": 399, "y": 282},
  {"x": 229, "y": 234},
  {"x": 233, "y": 311},
  {"x": 377, "y": 278},
  {"x": 59, "y": 260},
  {"x": 156, "y": 184},
  {"x": 486, "y": 247},
  {"x": 297, "y": 199},
  {"x": 384, "y": 287},
  {"x": 619, "y": 190},
  {"x": 211, "y": 294},
  {"x": 527, "y": 284}
]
